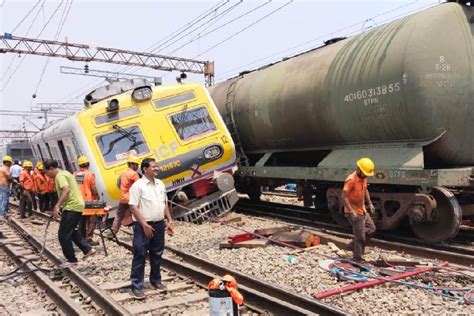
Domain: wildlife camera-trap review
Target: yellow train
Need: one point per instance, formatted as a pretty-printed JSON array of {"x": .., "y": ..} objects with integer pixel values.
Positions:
[{"x": 177, "y": 124}]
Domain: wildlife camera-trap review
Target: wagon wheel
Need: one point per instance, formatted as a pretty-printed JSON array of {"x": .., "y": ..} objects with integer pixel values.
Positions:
[{"x": 447, "y": 218}]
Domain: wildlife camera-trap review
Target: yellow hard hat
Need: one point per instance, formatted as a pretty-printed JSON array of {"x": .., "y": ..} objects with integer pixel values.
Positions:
[
  {"x": 82, "y": 160},
  {"x": 8, "y": 158},
  {"x": 366, "y": 166},
  {"x": 27, "y": 164},
  {"x": 39, "y": 165},
  {"x": 133, "y": 159}
]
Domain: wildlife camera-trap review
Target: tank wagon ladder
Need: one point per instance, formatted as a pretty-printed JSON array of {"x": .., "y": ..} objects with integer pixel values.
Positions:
[{"x": 231, "y": 125}]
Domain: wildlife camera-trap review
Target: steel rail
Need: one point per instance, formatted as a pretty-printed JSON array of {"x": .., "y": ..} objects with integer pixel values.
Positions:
[
  {"x": 101, "y": 298},
  {"x": 64, "y": 302},
  {"x": 293, "y": 214},
  {"x": 259, "y": 295}
]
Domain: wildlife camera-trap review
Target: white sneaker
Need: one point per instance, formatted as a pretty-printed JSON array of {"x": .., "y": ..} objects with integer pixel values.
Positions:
[
  {"x": 67, "y": 264},
  {"x": 89, "y": 254}
]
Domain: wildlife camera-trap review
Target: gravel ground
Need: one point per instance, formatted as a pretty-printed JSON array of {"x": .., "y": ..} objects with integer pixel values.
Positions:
[
  {"x": 20, "y": 295},
  {"x": 306, "y": 277}
]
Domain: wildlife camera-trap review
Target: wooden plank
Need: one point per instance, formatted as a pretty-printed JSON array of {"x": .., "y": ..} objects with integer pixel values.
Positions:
[
  {"x": 174, "y": 287},
  {"x": 111, "y": 286},
  {"x": 254, "y": 243},
  {"x": 231, "y": 220},
  {"x": 270, "y": 231},
  {"x": 174, "y": 301},
  {"x": 300, "y": 239}
]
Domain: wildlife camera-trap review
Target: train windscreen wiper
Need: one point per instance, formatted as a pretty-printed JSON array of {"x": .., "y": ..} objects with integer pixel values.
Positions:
[{"x": 125, "y": 133}]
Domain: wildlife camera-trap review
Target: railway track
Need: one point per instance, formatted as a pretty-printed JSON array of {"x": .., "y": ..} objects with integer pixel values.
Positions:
[
  {"x": 457, "y": 252},
  {"x": 185, "y": 272},
  {"x": 72, "y": 293}
]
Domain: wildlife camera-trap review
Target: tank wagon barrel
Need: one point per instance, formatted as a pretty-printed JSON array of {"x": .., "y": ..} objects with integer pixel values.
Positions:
[{"x": 400, "y": 94}]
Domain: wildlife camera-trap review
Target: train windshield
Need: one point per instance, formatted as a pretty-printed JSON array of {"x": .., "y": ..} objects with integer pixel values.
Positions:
[
  {"x": 121, "y": 143},
  {"x": 191, "y": 123}
]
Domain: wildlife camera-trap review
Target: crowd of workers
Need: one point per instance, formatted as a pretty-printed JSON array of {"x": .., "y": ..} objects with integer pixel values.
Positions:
[{"x": 143, "y": 203}]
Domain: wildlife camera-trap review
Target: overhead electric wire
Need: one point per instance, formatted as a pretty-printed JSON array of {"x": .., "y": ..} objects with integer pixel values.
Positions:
[
  {"x": 221, "y": 26},
  {"x": 26, "y": 16},
  {"x": 326, "y": 35},
  {"x": 39, "y": 34},
  {"x": 88, "y": 87},
  {"x": 12, "y": 60},
  {"x": 246, "y": 28},
  {"x": 62, "y": 21},
  {"x": 211, "y": 22}
]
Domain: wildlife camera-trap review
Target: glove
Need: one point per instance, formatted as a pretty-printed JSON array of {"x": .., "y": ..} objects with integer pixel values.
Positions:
[{"x": 371, "y": 209}]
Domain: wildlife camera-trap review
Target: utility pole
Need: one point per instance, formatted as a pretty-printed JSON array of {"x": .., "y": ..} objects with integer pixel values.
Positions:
[{"x": 88, "y": 53}]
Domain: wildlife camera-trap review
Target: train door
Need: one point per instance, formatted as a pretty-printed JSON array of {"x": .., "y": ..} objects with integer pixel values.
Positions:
[
  {"x": 49, "y": 151},
  {"x": 64, "y": 156},
  {"x": 40, "y": 152}
]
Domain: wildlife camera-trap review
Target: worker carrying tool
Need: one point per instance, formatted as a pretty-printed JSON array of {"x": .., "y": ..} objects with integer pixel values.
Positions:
[
  {"x": 86, "y": 182},
  {"x": 354, "y": 196},
  {"x": 224, "y": 297},
  {"x": 27, "y": 186}
]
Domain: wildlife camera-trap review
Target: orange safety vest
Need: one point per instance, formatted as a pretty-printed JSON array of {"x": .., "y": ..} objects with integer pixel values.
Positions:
[
  {"x": 26, "y": 180},
  {"x": 86, "y": 181},
  {"x": 50, "y": 185},
  {"x": 127, "y": 178},
  {"x": 41, "y": 183}
]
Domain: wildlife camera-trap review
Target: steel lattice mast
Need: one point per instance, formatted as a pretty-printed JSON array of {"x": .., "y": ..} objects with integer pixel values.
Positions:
[{"x": 88, "y": 53}]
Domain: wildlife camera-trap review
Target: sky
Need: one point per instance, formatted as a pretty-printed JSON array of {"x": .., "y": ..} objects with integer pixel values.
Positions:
[{"x": 236, "y": 35}]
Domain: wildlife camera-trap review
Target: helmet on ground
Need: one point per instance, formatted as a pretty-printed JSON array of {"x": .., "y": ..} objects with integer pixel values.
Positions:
[
  {"x": 133, "y": 159},
  {"x": 366, "y": 166},
  {"x": 8, "y": 158},
  {"x": 82, "y": 160},
  {"x": 230, "y": 280}
]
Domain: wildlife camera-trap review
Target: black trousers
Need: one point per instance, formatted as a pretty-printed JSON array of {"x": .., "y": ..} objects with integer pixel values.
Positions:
[
  {"x": 43, "y": 201},
  {"x": 68, "y": 234},
  {"x": 141, "y": 247}
]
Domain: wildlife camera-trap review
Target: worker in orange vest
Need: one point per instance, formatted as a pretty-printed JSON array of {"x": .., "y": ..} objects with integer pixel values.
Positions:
[
  {"x": 127, "y": 178},
  {"x": 34, "y": 192},
  {"x": 52, "y": 196},
  {"x": 41, "y": 186},
  {"x": 86, "y": 181},
  {"x": 27, "y": 186}
]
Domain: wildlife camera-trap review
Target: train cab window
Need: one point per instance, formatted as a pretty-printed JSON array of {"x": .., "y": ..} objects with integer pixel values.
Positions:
[
  {"x": 180, "y": 98},
  {"x": 122, "y": 142},
  {"x": 191, "y": 123},
  {"x": 118, "y": 115}
]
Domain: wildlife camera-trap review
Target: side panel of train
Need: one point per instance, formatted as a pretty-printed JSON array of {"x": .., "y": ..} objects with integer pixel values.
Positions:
[{"x": 179, "y": 126}]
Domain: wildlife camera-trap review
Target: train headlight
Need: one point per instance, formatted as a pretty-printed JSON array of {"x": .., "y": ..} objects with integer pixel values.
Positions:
[
  {"x": 213, "y": 152},
  {"x": 142, "y": 94}
]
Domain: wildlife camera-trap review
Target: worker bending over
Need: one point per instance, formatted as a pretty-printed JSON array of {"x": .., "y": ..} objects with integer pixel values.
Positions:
[
  {"x": 69, "y": 207},
  {"x": 354, "y": 196}
]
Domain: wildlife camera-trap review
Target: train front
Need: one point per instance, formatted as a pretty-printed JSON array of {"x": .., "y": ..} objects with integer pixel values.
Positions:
[{"x": 180, "y": 127}]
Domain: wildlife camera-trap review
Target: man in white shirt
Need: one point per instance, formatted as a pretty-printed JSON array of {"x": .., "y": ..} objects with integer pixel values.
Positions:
[
  {"x": 148, "y": 203},
  {"x": 16, "y": 170}
]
